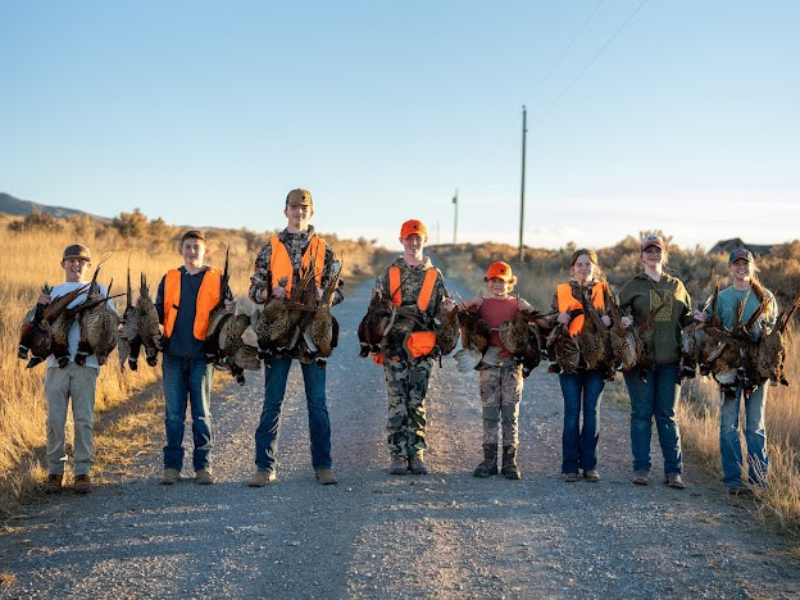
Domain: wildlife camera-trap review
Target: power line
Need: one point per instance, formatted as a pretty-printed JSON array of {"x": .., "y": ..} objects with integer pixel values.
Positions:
[
  {"x": 594, "y": 58},
  {"x": 564, "y": 52}
]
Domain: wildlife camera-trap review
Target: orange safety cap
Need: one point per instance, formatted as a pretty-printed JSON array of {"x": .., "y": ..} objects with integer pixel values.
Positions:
[
  {"x": 413, "y": 227},
  {"x": 499, "y": 270}
]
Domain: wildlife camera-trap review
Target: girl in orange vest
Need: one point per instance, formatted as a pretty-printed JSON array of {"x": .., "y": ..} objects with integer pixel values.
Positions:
[{"x": 582, "y": 390}]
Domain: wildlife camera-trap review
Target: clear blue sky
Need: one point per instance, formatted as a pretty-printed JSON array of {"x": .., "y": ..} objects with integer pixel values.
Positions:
[{"x": 682, "y": 115}]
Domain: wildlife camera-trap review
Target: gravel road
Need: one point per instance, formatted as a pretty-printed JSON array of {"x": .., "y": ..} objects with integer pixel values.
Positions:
[{"x": 445, "y": 535}]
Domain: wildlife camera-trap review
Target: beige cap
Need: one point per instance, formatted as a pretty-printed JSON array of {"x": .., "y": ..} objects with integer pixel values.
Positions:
[{"x": 299, "y": 197}]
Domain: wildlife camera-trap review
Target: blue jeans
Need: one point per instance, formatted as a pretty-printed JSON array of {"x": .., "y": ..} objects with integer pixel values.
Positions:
[
  {"x": 755, "y": 436},
  {"x": 187, "y": 378},
  {"x": 657, "y": 397},
  {"x": 583, "y": 392},
  {"x": 319, "y": 425}
]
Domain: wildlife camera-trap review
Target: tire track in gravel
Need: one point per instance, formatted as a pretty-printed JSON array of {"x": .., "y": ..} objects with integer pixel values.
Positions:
[{"x": 444, "y": 535}]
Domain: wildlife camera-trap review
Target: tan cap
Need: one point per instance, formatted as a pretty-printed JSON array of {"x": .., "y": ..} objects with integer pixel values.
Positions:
[
  {"x": 299, "y": 197},
  {"x": 77, "y": 251}
]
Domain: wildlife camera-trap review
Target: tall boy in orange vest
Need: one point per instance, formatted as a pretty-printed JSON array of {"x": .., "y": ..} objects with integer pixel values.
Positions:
[
  {"x": 185, "y": 299},
  {"x": 412, "y": 282},
  {"x": 277, "y": 271}
]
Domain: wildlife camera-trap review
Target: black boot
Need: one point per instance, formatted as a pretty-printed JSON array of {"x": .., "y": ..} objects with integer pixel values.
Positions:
[
  {"x": 489, "y": 465},
  {"x": 510, "y": 468}
]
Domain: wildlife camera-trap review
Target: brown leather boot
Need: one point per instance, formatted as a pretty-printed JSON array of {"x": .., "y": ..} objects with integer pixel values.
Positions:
[
  {"x": 489, "y": 465},
  {"x": 510, "y": 468}
]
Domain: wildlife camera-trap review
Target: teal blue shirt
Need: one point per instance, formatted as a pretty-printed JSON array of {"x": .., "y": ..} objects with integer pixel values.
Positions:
[{"x": 728, "y": 300}]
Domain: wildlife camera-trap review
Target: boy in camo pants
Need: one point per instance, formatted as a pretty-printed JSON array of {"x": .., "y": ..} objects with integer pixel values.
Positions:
[
  {"x": 417, "y": 288},
  {"x": 500, "y": 376}
]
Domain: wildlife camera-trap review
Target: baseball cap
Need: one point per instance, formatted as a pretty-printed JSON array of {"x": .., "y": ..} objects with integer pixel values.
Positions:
[
  {"x": 500, "y": 270},
  {"x": 193, "y": 234},
  {"x": 652, "y": 240},
  {"x": 413, "y": 227},
  {"x": 299, "y": 197},
  {"x": 740, "y": 253},
  {"x": 77, "y": 251}
]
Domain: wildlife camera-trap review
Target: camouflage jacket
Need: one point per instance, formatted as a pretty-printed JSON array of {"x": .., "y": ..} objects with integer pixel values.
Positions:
[
  {"x": 296, "y": 244},
  {"x": 411, "y": 279}
]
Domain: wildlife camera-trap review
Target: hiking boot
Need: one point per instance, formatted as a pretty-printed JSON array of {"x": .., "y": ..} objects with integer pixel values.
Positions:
[
  {"x": 489, "y": 465},
  {"x": 399, "y": 465},
  {"x": 510, "y": 469},
  {"x": 53, "y": 483},
  {"x": 262, "y": 478},
  {"x": 641, "y": 477},
  {"x": 325, "y": 477},
  {"x": 591, "y": 476},
  {"x": 82, "y": 484},
  {"x": 203, "y": 477},
  {"x": 417, "y": 465},
  {"x": 170, "y": 476},
  {"x": 570, "y": 477},
  {"x": 674, "y": 480}
]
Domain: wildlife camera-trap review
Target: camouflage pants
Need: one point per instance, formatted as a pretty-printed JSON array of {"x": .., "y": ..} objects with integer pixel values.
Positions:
[
  {"x": 501, "y": 392},
  {"x": 407, "y": 384}
]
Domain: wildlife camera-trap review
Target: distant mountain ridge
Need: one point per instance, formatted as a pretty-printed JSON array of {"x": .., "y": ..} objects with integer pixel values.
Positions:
[{"x": 14, "y": 206}]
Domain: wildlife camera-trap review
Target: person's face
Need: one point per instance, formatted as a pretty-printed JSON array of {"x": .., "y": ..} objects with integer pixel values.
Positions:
[
  {"x": 413, "y": 244},
  {"x": 583, "y": 269},
  {"x": 299, "y": 215},
  {"x": 498, "y": 287},
  {"x": 741, "y": 269},
  {"x": 653, "y": 257},
  {"x": 193, "y": 252},
  {"x": 75, "y": 269}
]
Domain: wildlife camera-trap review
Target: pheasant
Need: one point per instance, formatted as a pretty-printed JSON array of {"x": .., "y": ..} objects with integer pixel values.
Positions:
[
  {"x": 323, "y": 331},
  {"x": 147, "y": 323},
  {"x": 475, "y": 333},
  {"x": 771, "y": 359},
  {"x": 99, "y": 324},
  {"x": 594, "y": 340},
  {"x": 374, "y": 326},
  {"x": 36, "y": 336},
  {"x": 448, "y": 332},
  {"x": 625, "y": 342},
  {"x": 219, "y": 315},
  {"x": 522, "y": 337},
  {"x": 235, "y": 355}
]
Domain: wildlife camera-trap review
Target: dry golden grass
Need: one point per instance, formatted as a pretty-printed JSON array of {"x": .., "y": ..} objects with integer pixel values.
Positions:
[
  {"x": 779, "y": 503},
  {"x": 30, "y": 258}
]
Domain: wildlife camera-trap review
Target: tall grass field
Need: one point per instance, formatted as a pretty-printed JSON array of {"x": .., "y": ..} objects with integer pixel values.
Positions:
[{"x": 30, "y": 255}]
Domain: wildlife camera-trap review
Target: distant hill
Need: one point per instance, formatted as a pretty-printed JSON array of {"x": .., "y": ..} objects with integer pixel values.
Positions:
[{"x": 14, "y": 206}]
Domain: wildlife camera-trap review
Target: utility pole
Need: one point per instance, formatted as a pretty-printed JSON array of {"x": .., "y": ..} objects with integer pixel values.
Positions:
[
  {"x": 522, "y": 191},
  {"x": 455, "y": 218}
]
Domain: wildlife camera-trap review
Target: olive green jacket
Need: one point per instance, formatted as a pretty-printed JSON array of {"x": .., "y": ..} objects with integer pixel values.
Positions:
[{"x": 643, "y": 294}]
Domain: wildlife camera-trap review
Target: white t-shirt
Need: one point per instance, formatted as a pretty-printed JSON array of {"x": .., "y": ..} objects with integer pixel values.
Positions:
[{"x": 75, "y": 329}]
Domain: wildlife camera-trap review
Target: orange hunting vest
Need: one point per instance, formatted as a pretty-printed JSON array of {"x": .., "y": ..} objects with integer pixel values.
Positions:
[
  {"x": 567, "y": 302},
  {"x": 425, "y": 294},
  {"x": 418, "y": 343},
  {"x": 280, "y": 265},
  {"x": 207, "y": 298}
]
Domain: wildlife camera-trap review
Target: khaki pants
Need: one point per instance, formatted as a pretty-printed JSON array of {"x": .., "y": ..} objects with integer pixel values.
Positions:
[{"x": 60, "y": 385}]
